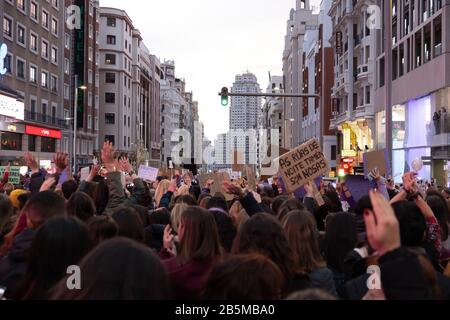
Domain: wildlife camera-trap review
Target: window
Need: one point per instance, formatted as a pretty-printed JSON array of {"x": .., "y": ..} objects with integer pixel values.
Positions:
[
  {"x": 44, "y": 79},
  {"x": 111, "y": 22},
  {"x": 96, "y": 123},
  {"x": 33, "y": 10},
  {"x": 91, "y": 31},
  {"x": 110, "y": 59},
  {"x": 110, "y": 77},
  {"x": 33, "y": 42},
  {"x": 90, "y": 54},
  {"x": 128, "y": 142},
  {"x": 128, "y": 122},
  {"x": 124, "y": 120},
  {"x": 7, "y": 27},
  {"x": 44, "y": 49},
  {"x": 89, "y": 99},
  {"x": 110, "y": 138},
  {"x": 45, "y": 19},
  {"x": 66, "y": 66},
  {"x": 33, "y": 74},
  {"x": 44, "y": 111},
  {"x": 48, "y": 144},
  {"x": 67, "y": 41},
  {"x": 8, "y": 63},
  {"x": 55, "y": 3},
  {"x": 21, "y": 5},
  {"x": 367, "y": 95},
  {"x": 55, "y": 26},
  {"x": 32, "y": 109},
  {"x": 53, "y": 114},
  {"x": 89, "y": 124},
  {"x": 54, "y": 55},
  {"x": 20, "y": 34},
  {"x": 31, "y": 143},
  {"x": 66, "y": 92},
  {"x": 20, "y": 69},
  {"x": 333, "y": 153},
  {"x": 90, "y": 76},
  {"x": 11, "y": 141},
  {"x": 111, "y": 39},
  {"x": 124, "y": 141},
  {"x": 110, "y": 97},
  {"x": 54, "y": 83}
]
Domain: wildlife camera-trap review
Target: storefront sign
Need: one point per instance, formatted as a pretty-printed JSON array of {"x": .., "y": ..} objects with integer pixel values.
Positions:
[
  {"x": 14, "y": 174},
  {"x": 42, "y": 132},
  {"x": 349, "y": 153},
  {"x": 12, "y": 127},
  {"x": 3, "y": 52},
  {"x": 303, "y": 164},
  {"x": 12, "y": 108}
]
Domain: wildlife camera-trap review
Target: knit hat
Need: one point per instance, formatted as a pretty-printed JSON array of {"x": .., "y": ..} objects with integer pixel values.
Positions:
[{"x": 14, "y": 197}]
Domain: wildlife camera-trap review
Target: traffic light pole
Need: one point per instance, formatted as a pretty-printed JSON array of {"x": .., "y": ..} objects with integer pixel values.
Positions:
[{"x": 275, "y": 95}]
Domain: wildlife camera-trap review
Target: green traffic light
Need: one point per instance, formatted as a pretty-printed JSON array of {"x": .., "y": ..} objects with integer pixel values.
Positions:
[{"x": 224, "y": 101}]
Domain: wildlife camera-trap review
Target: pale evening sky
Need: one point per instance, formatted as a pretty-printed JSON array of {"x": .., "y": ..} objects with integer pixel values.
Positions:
[{"x": 211, "y": 41}]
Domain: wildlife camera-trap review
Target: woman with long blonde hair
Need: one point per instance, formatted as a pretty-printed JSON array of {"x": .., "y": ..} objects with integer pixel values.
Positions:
[{"x": 161, "y": 190}]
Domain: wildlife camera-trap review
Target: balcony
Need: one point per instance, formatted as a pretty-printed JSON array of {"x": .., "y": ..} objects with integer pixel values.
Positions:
[
  {"x": 363, "y": 112},
  {"x": 40, "y": 118},
  {"x": 363, "y": 71}
]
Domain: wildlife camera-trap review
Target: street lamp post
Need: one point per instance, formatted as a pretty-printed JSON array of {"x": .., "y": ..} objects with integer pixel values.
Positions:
[{"x": 75, "y": 120}]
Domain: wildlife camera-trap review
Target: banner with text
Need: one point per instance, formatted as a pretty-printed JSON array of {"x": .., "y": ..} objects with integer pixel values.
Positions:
[
  {"x": 14, "y": 174},
  {"x": 303, "y": 164},
  {"x": 147, "y": 173}
]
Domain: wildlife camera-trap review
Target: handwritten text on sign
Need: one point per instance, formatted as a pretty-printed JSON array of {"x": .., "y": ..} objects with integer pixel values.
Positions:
[{"x": 303, "y": 164}]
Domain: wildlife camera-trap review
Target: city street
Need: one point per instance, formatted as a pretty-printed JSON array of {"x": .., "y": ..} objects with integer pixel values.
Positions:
[{"x": 265, "y": 151}]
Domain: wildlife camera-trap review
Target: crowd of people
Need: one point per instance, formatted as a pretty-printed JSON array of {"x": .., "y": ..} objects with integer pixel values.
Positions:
[{"x": 174, "y": 239}]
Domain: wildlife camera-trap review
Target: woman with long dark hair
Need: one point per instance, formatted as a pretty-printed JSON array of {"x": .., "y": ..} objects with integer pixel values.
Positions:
[
  {"x": 59, "y": 243},
  {"x": 302, "y": 234},
  {"x": 263, "y": 234},
  {"x": 118, "y": 269},
  {"x": 197, "y": 253}
]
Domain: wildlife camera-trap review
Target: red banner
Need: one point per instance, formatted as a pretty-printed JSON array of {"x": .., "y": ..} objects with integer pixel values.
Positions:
[{"x": 42, "y": 132}]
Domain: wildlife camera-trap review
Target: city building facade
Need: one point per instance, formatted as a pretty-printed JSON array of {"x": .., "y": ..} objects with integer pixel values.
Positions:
[
  {"x": 353, "y": 101},
  {"x": 300, "y": 20},
  {"x": 318, "y": 79},
  {"x": 419, "y": 84},
  {"x": 33, "y": 103},
  {"x": 245, "y": 117}
]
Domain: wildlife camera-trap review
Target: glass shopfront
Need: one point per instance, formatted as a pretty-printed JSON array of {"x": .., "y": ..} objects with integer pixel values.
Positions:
[
  {"x": 411, "y": 134},
  {"x": 11, "y": 141}
]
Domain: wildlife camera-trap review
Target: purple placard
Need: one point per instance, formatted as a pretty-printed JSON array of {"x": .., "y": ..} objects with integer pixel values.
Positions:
[{"x": 359, "y": 186}]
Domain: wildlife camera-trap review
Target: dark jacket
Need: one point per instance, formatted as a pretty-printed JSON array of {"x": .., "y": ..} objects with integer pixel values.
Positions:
[
  {"x": 154, "y": 234},
  {"x": 36, "y": 181},
  {"x": 13, "y": 266},
  {"x": 250, "y": 204},
  {"x": 165, "y": 200},
  {"x": 322, "y": 278},
  {"x": 117, "y": 196}
]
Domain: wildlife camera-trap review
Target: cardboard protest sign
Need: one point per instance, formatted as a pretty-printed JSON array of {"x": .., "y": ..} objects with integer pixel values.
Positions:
[
  {"x": 376, "y": 159},
  {"x": 147, "y": 173},
  {"x": 303, "y": 164},
  {"x": 220, "y": 177},
  {"x": 84, "y": 173},
  {"x": 237, "y": 161},
  {"x": 249, "y": 172},
  {"x": 14, "y": 174}
]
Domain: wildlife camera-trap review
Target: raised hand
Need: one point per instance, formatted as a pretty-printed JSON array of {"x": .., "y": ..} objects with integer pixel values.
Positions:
[
  {"x": 31, "y": 162},
  {"x": 61, "y": 161},
  {"x": 409, "y": 181},
  {"x": 383, "y": 231},
  {"x": 125, "y": 165},
  {"x": 232, "y": 189},
  {"x": 168, "y": 240},
  {"x": 47, "y": 184},
  {"x": 108, "y": 157}
]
